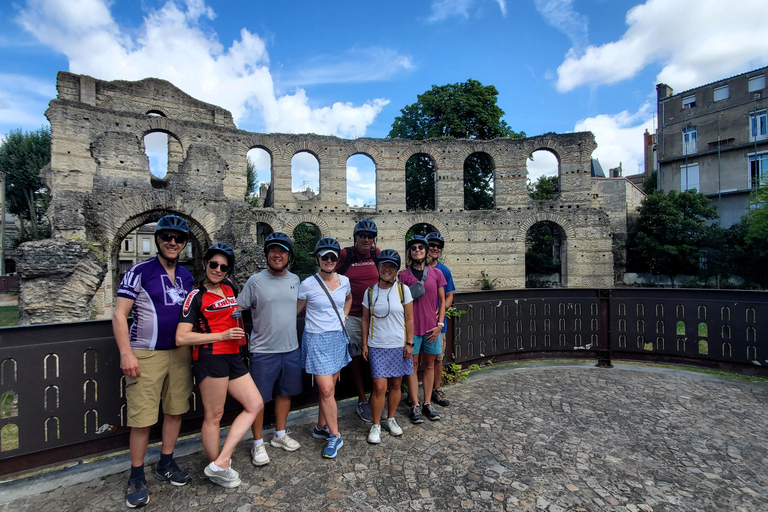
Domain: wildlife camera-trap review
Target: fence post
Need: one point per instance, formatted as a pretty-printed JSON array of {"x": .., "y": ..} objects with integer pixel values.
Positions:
[{"x": 604, "y": 332}]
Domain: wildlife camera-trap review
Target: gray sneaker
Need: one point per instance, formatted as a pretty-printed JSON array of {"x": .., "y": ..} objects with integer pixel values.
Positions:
[
  {"x": 285, "y": 442},
  {"x": 228, "y": 478},
  {"x": 390, "y": 425},
  {"x": 259, "y": 456},
  {"x": 364, "y": 411}
]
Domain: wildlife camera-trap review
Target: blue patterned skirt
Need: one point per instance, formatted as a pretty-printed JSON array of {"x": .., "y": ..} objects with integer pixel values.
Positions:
[
  {"x": 389, "y": 362},
  {"x": 324, "y": 353}
]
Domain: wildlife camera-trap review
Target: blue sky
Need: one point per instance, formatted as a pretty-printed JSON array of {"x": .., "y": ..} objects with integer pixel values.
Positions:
[{"x": 347, "y": 68}]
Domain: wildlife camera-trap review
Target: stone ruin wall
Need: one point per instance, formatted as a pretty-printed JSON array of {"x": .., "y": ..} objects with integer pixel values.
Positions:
[{"x": 102, "y": 189}]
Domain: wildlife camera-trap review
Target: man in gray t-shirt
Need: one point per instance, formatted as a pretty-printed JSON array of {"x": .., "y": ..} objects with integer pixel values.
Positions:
[{"x": 272, "y": 295}]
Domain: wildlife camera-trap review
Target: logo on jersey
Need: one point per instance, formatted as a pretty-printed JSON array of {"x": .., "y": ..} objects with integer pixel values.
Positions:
[
  {"x": 174, "y": 293},
  {"x": 225, "y": 303},
  {"x": 188, "y": 302}
]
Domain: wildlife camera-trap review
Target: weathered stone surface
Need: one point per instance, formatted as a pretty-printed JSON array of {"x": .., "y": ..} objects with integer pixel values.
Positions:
[{"x": 102, "y": 189}]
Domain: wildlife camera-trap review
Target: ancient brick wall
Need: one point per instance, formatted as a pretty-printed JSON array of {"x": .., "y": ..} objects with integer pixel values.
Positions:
[{"x": 102, "y": 189}]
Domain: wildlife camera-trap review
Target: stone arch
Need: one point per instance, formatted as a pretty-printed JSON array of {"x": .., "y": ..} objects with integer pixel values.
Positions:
[
  {"x": 306, "y": 146},
  {"x": 361, "y": 148},
  {"x": 197, "y": 231},
  {"x": 261, "y": 217},
  {"x": 565, "y": 224},
  {"x": 156, "y": 110},
  {"x": 311, "y": 218},
  {"x": 416, "y": 149},
  {"x": 480, "y": 160},
  {"x": 424, "y": 218}
]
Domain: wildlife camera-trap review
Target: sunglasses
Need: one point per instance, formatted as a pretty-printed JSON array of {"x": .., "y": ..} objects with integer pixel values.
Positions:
[
  {"x": 436, "y": 246},
  {"x": 418, "y": 247},
  {"x": 330, "y": 256},
  {"x": 367, "y": 236},
  {"x": 213, "y": 266},
  {"x": 167, "y": 237}
]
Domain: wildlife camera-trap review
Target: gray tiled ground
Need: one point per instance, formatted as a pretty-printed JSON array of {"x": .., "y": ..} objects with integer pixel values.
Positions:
[{"x": 541, "y": 437}]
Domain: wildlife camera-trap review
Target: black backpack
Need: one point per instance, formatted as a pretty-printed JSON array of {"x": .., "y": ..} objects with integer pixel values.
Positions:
[{"x": 352, "y": 258}]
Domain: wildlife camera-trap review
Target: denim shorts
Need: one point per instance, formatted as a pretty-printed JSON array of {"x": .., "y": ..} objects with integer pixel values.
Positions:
[{"x": 420, "y": 342}]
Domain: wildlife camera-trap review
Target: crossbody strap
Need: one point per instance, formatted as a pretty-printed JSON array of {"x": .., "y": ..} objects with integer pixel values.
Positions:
[{"x": 322, "y": 285}]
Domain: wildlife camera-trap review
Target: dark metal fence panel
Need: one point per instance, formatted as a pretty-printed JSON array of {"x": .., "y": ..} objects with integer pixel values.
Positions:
[
  {"x": 517, "y": 321},
  {"x": 707, "y": 325}
]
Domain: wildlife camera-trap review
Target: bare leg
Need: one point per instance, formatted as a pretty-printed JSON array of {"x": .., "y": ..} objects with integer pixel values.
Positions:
[
  {"x": 282, "y": 408},
  {"x": 428, "y": 377},
  {"x": 438, "y": 373},
  {"x": 171, "y": 428},
  {"x": 244, "y": 391},
  {"x": 327, "y": 411},
  {"x": 357, "y": 377},
  {"x": 413, "y": 381},
  {"x": 258, "y": 423},
  {"x": 377, "y": 399},
  {"x": 393, "y": 399},
  {"x": 139, "y": 440},
  {"x": 213, "y": 392}
]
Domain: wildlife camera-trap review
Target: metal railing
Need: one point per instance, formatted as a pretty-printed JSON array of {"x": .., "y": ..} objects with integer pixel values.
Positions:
[{"x": 62, "y": 389}]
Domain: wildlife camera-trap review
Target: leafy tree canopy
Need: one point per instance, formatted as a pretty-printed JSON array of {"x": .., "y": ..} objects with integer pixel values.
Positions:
[
  {"x": 22, "y": 156},
  {"x": 544, "y": 189}
]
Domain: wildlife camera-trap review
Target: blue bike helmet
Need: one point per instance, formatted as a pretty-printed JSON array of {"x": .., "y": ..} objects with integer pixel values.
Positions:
[
  {"x": 327, "y": 243},
  {"x": 172, "y": 223},
  {"x": 417, "y": 239},
  {"x": 365, "y": 226},
  {"x": 390, "y": 256},
  {"x": 436, "y": 237},
  {"x": 280, "y": 239},
  {"x": 221, "y": 249}
]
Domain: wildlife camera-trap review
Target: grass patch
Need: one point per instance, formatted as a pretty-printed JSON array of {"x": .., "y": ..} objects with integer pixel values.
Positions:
[{"x": 9, "y": 316}]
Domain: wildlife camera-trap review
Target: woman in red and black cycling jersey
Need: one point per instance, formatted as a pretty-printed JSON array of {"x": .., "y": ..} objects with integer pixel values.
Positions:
[{"x": 207, "y": 324}]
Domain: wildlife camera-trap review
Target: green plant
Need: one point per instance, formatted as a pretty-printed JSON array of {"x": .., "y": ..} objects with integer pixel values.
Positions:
[
  {"x": 485, "y": 281},
  {"x": 452, "y": 312},
  {"x": 453, "y": 373}
]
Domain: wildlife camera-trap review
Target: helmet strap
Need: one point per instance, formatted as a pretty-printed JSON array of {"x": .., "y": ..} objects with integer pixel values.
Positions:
[{"x": 160, "y": 254}]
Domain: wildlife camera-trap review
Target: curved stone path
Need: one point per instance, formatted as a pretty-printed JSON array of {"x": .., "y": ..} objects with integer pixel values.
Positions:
[{"x": 544, "y": 437}]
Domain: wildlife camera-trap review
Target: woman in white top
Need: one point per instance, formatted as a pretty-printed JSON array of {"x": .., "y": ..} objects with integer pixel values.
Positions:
[
  {"x": 324, "y": 349},
  {"x": 387, "y": 341}
]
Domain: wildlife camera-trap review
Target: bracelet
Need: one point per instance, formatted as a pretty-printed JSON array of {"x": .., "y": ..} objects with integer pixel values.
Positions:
[
  {"x": 409, "y": 344},
  {"x": 441, "y": 324}
]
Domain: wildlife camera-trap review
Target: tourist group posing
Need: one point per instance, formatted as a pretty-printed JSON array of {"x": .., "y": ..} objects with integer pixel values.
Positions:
[{"x": 360, "y": 306}]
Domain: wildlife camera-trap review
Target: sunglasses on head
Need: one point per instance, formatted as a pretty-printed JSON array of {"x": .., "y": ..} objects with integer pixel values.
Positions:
[
  {"x": 368, "y": 236},
  {"x": 330, "y": 256},
  {"x": 436, "y": 246},
  {"x": 167, "y": 237},
  {"x": 418, "y": 247},
  {"x": 213, "y": 266}
]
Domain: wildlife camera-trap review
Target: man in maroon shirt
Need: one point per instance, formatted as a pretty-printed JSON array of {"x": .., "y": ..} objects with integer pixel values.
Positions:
[{"x": 358, "y": 263}]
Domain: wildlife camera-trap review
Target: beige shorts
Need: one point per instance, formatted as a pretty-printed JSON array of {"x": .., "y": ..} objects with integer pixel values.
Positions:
[
  {"x": 354, "y": 328},
  {"x": 441, "y": 355},
  {"x": 166, "y": 376}
]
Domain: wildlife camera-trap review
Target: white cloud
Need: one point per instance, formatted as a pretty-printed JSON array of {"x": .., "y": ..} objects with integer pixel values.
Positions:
[
  {"x": 693, "y": 44},
  {"x": 173, "y": 45},
  {"x": 560, "y": 15},
  {"x": 444, "y": 9},
  {"x": 543, "y": 163},
  {"x": 620, "y": 138},
  {"x": 358, "y": 65}
]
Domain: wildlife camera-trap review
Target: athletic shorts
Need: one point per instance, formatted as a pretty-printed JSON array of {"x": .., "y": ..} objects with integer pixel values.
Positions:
[
  {"x": 166, "y": 376},
  {"x": 354, "y": 327},
  {"x": 219, "y": 365},
  {"x": 277, "y": 374},
  {"x": 422, "y": 346}
]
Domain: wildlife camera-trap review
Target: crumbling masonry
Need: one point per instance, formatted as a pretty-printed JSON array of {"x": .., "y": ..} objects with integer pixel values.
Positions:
[{"x": 102, "y": 190}]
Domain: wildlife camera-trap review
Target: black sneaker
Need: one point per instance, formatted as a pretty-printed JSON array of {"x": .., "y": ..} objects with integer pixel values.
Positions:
[
  {"x": 430, "y": 412},
  {"x": 416, "y": 416},
  {"x": 136, "y": 493},
  {"x": 172, "y": 473},
  {"x": 439, "y": 398}
]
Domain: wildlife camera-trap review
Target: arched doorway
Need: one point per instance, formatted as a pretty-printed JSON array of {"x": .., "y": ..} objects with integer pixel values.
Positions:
[
  {"x": 543, "y": 167},
  {"x": 544, "y": 255},
  {"x": 420, "y": 183},
  {"x": 479, "y": 193},
  {"x": 305, "y": 236}
]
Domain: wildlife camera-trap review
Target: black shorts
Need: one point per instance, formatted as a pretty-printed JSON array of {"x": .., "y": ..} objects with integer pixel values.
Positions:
[{"x": 219, "y": 365}]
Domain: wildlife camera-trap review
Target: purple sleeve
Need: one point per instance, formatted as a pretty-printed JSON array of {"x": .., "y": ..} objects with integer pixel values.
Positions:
[{"x": 406, "y": 277}]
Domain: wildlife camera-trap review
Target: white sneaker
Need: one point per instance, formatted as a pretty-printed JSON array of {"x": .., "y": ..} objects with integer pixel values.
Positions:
[
  {"x": 259, "y": 455},
  {"x": 225, "y": 477},
  {"x": 374, "y": 436},
  {"x": 285, "y": 442},
  {"x": 391, "y": 425}
]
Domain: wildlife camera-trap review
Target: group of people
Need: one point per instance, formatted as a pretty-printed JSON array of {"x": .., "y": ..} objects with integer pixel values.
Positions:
[{"x": 360, "y": 306}]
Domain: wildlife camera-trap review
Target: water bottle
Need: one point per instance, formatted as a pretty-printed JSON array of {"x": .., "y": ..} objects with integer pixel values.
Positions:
[{"x": 237, "y": 318}]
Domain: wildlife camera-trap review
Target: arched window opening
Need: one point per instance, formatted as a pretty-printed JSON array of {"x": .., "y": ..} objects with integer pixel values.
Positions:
[
  {"x": 422, "y": 229},
  {"x": 478, "y": 182},
  {"x": 263, "y": 230},
  {"x": 544, "y": 255},
  {"x": 164, "y": 153},
  {"x": 305, "y": 236},
  {"x": 543, "y": 175},
  {"x": 420, "y": 183},
  {"x": 259, "y": 171},
  {"x": 305, "y": 176},
  {"x": 361, "y": 183}
]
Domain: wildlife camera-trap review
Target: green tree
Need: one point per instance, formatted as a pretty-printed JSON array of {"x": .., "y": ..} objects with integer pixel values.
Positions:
[
  {"x": 541, "y": 255},
  {"x": 305, "y": 236},
  {"x": 544, "y": 189},
  {"x": 22, "y": 156},
  {"x": 651, "y": 183},
  {"x": 251, "y": 178},
  {"x": 670, "y": 233},
  {"x": 461, "y": 111}
]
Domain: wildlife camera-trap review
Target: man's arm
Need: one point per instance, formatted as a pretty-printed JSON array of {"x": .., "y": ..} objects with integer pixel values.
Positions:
[{"x": 120, "y": 329}]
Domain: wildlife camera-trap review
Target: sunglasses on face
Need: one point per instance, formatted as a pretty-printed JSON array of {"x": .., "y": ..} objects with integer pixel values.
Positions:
[
  {"x": 435, "y": 246},
  {"x": 167, "y": 237},
  {"x": 418, "y": 247},
  {"x": 213, "y": 266},
  {"x": 329, "y": 256},
  {"x": 367, "y": 236}
]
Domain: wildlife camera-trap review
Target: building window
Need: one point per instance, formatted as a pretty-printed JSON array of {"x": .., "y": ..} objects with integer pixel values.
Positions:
[
  {"x": 757, "y": 83},
  {"x": 689, "y": 177},
  {"x": 125, "y": 266},
  {"x": 758, "y": 123},
  {"x": 689, "y": 101},
  {"x": 128, "y": 245},
  {"x": 758, "y": 168},
  {"x": 689, "y": 141},
  {"x": 721, "y": 93},
  {"x": 145, "y": 245}
]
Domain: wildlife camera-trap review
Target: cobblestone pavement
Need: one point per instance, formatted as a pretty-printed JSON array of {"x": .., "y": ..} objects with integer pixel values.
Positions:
[{"x": 540, "y": 437}]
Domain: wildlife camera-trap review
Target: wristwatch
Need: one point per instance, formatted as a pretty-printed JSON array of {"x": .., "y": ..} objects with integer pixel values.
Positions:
[
  {"x": 441, "y": 324},
  {"x": 409, "y": 344}
]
